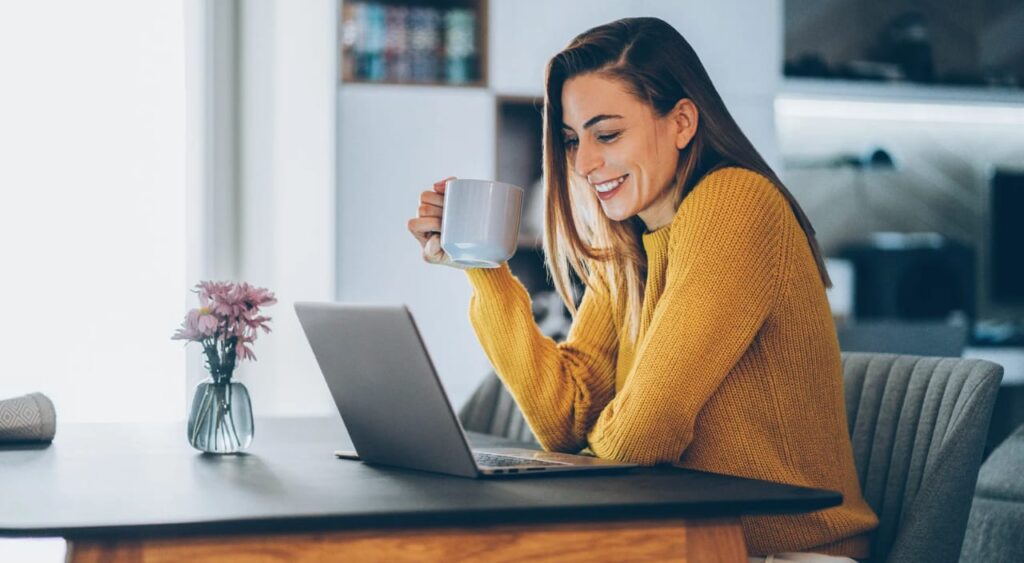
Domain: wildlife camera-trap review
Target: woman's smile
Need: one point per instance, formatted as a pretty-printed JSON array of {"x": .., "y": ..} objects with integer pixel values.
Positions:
[{"x": 607, "y": 190}]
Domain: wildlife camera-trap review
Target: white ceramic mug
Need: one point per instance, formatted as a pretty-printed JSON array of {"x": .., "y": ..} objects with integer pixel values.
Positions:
[{"x": 480, "y": 222}]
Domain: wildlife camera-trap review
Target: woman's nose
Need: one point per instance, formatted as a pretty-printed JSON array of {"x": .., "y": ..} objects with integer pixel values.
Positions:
[{"x": 587, "y": 159}]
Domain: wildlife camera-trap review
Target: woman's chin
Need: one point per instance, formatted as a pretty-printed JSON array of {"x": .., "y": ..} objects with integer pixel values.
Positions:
[{"x": 614, "y": 213}]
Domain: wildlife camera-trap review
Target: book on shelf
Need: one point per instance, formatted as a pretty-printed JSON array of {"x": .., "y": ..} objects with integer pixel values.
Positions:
[{"x": 409, "y": 44}]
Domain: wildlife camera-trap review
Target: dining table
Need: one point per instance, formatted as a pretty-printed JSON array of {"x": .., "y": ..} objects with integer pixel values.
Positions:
[{"x": 138, "y": 492}]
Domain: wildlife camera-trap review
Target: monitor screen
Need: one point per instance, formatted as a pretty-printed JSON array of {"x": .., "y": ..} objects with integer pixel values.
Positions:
[{"x": 1006, "y": 253}]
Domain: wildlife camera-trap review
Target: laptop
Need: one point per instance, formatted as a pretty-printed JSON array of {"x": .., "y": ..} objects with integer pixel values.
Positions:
[{"x": 392, "y": 402}]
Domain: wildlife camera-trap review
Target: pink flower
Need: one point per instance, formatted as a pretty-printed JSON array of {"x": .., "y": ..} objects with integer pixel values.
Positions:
[
  {"x": 244, "y": 352},
  {"x": 208, "y": 291},
  {"x": 235, "y": 301},
  {"x": 229, "y": 314},
  {"x": 198, "y": 325}
]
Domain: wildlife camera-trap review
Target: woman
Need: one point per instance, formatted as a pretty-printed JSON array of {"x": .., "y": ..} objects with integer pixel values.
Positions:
[{"x": 704, "y": 337}]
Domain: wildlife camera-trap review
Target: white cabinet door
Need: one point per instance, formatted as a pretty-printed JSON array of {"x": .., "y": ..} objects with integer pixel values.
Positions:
[{"x": 393, "y": 143}]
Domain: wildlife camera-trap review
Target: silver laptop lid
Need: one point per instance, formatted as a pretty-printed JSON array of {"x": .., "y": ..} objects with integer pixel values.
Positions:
[{"x": 385, "y": 386}]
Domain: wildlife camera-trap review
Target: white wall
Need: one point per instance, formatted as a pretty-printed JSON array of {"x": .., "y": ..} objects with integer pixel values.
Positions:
[
  {"x": 211, "y": 157},
  {"x": 742, "y": 55},
  {"x": 394, "y": 141}
]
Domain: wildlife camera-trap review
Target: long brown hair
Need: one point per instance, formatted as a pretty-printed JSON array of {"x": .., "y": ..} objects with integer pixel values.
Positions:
[{"x": 659, "y": 67}]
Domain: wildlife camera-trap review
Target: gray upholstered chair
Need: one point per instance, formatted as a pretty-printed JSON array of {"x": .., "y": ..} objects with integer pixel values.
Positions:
[
  {"x": 917, "y": 425},
  {"x": 491, "y": 410}
]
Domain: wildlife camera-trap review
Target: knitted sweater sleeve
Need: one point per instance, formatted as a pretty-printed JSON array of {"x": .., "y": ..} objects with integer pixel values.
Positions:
[
  {"x": 560, "y": 388},
  {"x": 723, "y": 274}
]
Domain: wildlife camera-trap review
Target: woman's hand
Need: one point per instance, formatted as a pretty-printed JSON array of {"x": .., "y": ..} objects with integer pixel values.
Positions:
[{"x": 426, "y": 226}]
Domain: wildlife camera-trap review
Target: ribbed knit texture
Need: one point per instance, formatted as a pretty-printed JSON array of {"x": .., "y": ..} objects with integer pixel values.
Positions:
[{"x": 735, "y": 370}]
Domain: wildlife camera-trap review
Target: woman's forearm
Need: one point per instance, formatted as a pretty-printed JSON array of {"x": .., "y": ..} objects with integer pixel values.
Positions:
[{"x": 561, "y": 388}]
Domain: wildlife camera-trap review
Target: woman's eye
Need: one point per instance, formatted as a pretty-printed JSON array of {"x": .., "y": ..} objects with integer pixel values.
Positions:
[
  {"x": 571, "y": 143},
  {"x": 607, "y": 138}
]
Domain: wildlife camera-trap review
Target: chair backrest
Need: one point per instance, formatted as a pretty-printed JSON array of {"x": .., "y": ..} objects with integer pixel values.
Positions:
[
  {"x": 898, "y": 337},
  {"x": 918, "y": 427},
  {"x": 492, "y": 410}
]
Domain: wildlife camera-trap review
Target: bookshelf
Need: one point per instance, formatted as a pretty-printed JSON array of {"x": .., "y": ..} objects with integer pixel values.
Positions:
[
  {"x": 519, "y": 160},
  {"x": 414, "y": 42}
]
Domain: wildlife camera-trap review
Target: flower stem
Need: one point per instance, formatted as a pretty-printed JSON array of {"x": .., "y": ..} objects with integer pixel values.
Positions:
[{"x": 203, "y": 411}]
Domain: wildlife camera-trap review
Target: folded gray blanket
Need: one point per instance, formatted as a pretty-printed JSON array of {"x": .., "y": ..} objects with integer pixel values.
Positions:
[{"x": 28, "y": 418}]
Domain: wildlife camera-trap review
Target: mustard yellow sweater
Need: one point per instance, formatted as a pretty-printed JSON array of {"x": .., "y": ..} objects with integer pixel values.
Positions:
[{"x": 735, "y": 369}]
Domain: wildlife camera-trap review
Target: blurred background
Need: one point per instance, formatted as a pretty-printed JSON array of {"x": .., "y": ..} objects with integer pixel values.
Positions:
[{"x": 148, "y": 145}]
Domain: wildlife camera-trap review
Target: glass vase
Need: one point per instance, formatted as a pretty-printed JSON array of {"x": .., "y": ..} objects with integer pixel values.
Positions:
[{"x": 220, "y": 420}]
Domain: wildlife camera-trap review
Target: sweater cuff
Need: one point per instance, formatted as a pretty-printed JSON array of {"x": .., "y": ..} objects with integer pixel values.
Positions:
[{"x": 489, "y": 280}]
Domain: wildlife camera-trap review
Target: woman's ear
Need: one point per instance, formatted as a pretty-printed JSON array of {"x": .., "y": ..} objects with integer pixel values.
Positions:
[{"x": 685, "y": 117}]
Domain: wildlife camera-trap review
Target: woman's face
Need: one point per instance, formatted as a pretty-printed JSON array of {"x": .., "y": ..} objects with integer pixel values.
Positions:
[{"x": 622, "y": 149}]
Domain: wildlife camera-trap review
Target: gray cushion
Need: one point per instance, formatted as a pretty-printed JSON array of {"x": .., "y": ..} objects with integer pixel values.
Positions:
[
  {"x": 995, "y": 531},
  {"x": 1000, "y": 475},
  {"x": 918, "y": 427}
]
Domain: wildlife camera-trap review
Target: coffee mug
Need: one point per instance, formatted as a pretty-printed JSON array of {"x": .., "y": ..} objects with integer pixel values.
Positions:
[{"x": 480, "y": 222}]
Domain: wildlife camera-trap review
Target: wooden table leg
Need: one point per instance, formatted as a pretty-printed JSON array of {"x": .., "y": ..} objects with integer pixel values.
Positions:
[
  {"x": 715, "y": 541},
  {"x": 648, "y": 540}
]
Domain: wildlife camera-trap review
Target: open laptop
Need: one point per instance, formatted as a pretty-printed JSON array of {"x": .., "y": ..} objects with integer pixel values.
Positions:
[{"x": 392, "y": 402}]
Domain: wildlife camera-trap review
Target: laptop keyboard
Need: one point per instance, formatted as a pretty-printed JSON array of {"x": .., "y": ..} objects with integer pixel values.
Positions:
[{"x": 492, "y": 460}]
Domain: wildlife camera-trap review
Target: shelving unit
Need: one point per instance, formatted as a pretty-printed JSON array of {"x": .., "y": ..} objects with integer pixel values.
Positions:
[
  {"x": 418, "y": 42},
  {"x": 519, "y": 130},
  {"x": 900, "y": 92},
  {"x": 947, "y": 130},
  {"x": 519, "y": 160},
  {"x": 947, "y": 43},
  {"x": 518, "y": 157}
]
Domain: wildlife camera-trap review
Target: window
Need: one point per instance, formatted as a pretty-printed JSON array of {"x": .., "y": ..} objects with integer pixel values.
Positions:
[{"x": 92, "y": 206}]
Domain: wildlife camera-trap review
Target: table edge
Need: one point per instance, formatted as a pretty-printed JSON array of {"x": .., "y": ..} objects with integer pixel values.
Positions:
[{"x": 311, "y": 523}]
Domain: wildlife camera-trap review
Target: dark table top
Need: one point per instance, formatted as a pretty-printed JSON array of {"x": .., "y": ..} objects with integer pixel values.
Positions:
[{"x": 141, "y": 480}]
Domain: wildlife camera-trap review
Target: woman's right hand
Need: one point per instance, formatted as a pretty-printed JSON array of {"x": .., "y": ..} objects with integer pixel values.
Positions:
[{"x": 426, "y": 225}]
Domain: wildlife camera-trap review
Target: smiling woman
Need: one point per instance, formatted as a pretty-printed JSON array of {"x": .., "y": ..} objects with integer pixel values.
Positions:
[
  {"x": 704, "y": 337},
  {"x": 662, "y": 92}
]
